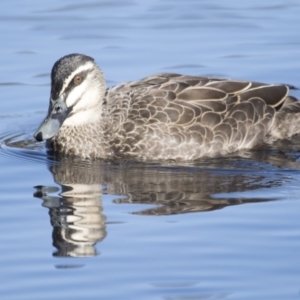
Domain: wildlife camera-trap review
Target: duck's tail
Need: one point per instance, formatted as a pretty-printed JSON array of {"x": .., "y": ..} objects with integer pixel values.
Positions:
[{"x": 287, "y": 119}]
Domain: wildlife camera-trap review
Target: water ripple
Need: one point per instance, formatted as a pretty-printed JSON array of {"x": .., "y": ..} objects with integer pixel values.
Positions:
[
  {"x": 17, "y": 142},
  {"x": 17, "y": 146}
]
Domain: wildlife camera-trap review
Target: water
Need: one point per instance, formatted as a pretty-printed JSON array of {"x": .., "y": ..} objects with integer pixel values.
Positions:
[{"x": 220, "y": 229}]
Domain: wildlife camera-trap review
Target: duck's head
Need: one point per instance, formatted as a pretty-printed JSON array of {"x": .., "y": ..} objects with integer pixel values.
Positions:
[{"x": 77, "y": 90}]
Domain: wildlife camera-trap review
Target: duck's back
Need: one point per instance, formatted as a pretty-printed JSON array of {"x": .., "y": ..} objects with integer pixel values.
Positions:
[{"x": 170, "y": 116}]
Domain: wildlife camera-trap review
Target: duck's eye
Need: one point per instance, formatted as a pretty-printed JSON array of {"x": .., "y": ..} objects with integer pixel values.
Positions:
[{"x": 77, "y": 79}]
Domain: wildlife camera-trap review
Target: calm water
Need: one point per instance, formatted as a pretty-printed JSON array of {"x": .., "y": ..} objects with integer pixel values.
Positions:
[{"x": 220, "y": 229}]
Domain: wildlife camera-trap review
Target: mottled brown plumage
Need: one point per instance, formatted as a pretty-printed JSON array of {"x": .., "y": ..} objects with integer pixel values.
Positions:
[{"x": 171, "y": 116}]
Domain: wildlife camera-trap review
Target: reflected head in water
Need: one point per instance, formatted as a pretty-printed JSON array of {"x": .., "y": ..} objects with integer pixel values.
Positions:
[{"x": 76, "y": 217}]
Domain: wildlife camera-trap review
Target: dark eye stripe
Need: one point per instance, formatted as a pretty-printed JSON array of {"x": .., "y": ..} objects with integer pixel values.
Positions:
[
  {"x": 58, "y": 84},
  {"x": 72, "y": 83}
]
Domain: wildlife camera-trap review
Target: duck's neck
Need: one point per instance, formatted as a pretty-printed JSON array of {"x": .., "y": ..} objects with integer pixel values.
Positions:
[
  {"x": 83, "y": 117},
  {"x": 84, "y": 140}
]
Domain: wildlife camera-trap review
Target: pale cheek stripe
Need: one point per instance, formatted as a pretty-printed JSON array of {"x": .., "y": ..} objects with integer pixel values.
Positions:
[{"x": 75, "y": 94}]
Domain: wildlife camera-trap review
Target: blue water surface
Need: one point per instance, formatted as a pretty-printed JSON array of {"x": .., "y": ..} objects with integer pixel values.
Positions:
[{"x": 222, "y": 228}]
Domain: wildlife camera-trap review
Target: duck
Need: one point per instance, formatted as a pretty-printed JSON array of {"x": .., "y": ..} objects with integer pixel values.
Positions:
[{"x": 166, "y": 116}]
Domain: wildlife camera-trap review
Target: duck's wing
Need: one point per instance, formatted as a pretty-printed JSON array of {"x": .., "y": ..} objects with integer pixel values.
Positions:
[
  {"x": 183, "y": 100},
  {"x": 203, "y": 89},
  {"x": 176, "y": 95},
  {"x": 219, "y": 114},
  {"x": 197, "y": 88}
]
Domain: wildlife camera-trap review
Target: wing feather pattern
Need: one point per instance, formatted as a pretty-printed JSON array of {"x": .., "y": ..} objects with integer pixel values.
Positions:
[{"x": 170, "y": 116}]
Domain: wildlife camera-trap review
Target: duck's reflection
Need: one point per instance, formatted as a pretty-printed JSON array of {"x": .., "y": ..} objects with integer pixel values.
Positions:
[{"x": 77, "y": 214}]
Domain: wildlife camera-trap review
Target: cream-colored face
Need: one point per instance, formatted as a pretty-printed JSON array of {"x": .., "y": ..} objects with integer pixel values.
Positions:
[
  {"x": 81, "y": 95},
  {"x": 83, "y": 98},
  {"x": 75, "y": 91}
]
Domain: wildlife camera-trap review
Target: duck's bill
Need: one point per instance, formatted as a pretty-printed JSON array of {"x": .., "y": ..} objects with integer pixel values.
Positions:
[{"x": 57, "y": 113}]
